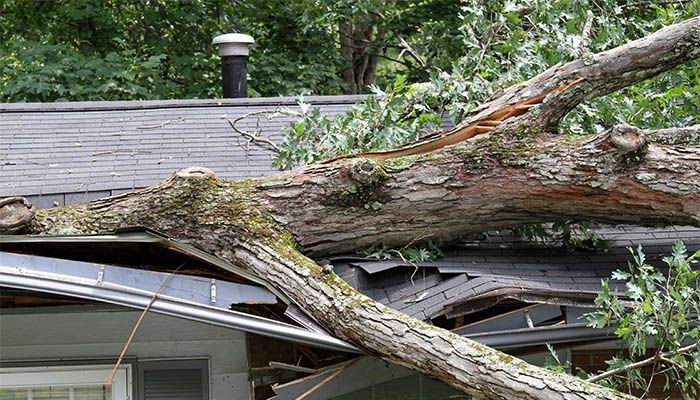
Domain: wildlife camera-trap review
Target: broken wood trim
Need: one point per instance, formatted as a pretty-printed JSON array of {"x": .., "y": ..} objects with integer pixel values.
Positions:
[
  {"x": 292, "y": 367},
  {"x": 538, "y": 313},
  {"x": 138, "y": 324}
]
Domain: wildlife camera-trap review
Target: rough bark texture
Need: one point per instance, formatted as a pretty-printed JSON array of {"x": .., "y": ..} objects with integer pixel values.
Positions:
[
  {"x": 514, "y": 177},
  {"x": 227, "y": 220},
  {"x": 521, "y": 172}
]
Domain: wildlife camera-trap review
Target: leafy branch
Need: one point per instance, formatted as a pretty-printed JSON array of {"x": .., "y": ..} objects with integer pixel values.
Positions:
[
  {"x": 570, "y": 235},
  {"x": 425, "y": 252},
  {"x": 663, "y": 314}
]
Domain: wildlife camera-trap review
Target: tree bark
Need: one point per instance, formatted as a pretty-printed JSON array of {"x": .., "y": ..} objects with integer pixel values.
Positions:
[
  {"x": 357, "y": 36},
  {"x": 347, "y": 51},
  {"x": 521, "y": 172}
]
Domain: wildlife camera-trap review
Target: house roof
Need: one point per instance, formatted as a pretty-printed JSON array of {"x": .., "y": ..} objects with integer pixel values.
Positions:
[
  {"x": 475, "y": 275},
  {"x": 65, "y": 153}
]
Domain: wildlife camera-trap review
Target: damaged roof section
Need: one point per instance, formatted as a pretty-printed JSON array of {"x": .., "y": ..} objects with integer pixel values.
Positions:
[
  {"x": 478, "y": 275},
  {"x": 178, "y": 279},
  {"x": 193, "y": 289},
  {"x": 130, "y": 247}
]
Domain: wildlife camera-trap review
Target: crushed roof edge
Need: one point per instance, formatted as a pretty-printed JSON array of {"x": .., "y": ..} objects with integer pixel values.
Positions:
[{"x": 81, "y": 106}]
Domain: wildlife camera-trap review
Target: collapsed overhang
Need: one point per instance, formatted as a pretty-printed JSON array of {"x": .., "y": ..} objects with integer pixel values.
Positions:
[
  {"x": 70, "y": 278},
  {"x": 142, "y": 236}
]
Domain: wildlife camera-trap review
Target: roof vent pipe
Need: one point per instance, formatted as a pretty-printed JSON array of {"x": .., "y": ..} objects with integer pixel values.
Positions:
[{"x": 234, "y": 50}]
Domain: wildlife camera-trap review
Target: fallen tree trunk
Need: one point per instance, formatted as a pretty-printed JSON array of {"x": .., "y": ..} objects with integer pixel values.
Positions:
[{"x": 520, "y": 172}]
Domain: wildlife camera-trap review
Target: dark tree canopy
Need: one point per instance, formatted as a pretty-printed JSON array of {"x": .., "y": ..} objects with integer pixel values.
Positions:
[{"x": 158, "y": 49}]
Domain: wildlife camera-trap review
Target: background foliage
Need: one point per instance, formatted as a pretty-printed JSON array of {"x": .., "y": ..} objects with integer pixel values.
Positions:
[
  {"x": 155, "y": 49},
  {"x": 159, "y": 49}
]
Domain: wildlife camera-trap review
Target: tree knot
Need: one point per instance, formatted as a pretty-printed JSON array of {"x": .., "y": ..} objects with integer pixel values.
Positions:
[
  {"x": 365, "y": 188},
  {"x": 626, "y": 139},
  {"x": 366, "y": 172},
  {"x": 195, "y": 173},
  {"x": 15, "y": 214}
]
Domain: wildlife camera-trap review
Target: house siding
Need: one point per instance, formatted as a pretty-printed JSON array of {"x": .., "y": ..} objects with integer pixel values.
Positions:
[{"x": 37, "y": 336}]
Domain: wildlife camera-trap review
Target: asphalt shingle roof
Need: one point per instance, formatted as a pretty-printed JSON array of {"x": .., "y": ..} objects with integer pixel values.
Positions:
[{"x": 66, "y": 153}]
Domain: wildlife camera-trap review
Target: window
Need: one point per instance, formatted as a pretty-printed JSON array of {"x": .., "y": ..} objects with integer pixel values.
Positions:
[
  {"x": 412, "y": 387},
  {"x": 87, "y": 382}
]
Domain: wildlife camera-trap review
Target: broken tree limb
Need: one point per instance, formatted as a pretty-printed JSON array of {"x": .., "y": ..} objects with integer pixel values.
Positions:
[
  {"x": 520, "y": 172},
  {"x": 226, "y": 220},
  {"x": 604, "y": 73}
]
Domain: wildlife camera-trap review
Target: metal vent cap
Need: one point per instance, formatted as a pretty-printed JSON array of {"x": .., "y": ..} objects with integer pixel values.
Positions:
[{"x": 233, "y": 44}]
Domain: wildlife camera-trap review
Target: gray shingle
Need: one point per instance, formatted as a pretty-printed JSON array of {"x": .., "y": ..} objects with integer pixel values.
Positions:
[
  {"x": 516, "y": 264},
  {"x": 64, "y": 148}
]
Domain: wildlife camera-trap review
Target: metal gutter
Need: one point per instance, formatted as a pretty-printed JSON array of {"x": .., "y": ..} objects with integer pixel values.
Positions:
[
  {"x": 20, "y": 278},
  {"x": 139, "y": 234},
  {"x": 205, "y": 291},
  {"x": 126, "y": 237},
  {"x": 564, "y": 333},
  {"x": 142, "y": 235}
]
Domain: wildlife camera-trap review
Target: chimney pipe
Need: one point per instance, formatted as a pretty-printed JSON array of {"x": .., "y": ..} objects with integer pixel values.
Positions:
[{"x": 234, "y": 50}]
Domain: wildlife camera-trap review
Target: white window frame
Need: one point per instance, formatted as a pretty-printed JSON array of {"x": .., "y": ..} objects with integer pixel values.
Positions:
[{"x": 74, "y": 375}]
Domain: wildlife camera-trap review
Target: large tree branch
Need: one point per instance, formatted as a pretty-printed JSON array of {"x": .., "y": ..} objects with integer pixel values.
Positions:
[
  {"x": 226, "y": 220},
  {"x": 606, "y": 72},
  {"x": 513, "y": 177}
]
